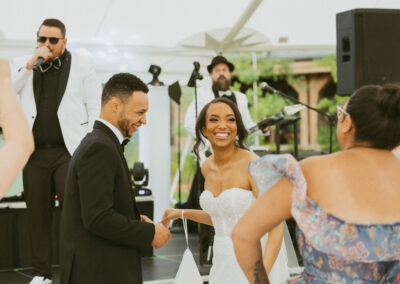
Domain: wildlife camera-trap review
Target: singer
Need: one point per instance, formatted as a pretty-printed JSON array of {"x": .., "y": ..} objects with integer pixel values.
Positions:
[{"x": 61, "y": 99}]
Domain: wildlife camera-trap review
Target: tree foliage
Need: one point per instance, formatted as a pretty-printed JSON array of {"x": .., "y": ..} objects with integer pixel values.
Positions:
[
  {"x": 330, "y": 62},
  {"x": 266, "y": 67}
]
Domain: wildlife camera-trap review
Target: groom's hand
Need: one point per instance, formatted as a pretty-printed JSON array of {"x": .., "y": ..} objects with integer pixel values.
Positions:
[{"x": 161, "y": 236}]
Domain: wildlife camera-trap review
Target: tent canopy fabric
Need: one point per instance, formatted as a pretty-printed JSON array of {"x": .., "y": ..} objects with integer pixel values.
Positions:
[{"x": 122, "y": 35}]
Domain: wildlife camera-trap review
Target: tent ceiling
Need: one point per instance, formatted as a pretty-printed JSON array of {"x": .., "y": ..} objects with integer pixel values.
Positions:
[{"x": 132, "y": 34}]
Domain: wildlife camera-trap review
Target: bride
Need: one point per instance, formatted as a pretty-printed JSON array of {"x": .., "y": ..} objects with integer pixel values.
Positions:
[{"x": 229, "y": 192}]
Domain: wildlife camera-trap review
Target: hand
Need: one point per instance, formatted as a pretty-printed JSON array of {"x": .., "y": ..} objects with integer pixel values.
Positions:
[
  {"x": 144, "y": 218},
  {"x": 5, "y": 72},
  {"x": 170, "y": 214},
  {"x": 161, "y": 236},
  {"x": 42, "y": 51}
]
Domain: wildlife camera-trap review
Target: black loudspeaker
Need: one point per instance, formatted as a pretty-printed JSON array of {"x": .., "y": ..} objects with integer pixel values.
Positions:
[{"x": 367, "y": 48}]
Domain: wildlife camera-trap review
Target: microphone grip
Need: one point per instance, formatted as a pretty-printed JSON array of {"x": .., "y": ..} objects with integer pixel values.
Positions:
[{"x": 38, "y": 63}]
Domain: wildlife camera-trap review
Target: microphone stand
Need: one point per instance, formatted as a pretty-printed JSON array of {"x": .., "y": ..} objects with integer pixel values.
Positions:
[
  {"x": 286, "y": 121},
  {"x": 199, "y": 177},
  {"x": 174, "y": 92},
  {"x": 192, "y": 81},
  {"x": 331, "y": 118}
]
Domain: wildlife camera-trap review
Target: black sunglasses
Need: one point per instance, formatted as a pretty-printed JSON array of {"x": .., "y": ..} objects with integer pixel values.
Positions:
[{"x": 43, "y": 39}]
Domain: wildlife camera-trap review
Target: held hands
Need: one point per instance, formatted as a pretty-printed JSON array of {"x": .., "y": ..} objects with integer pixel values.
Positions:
[
  {"x": 43, "y": 52},
  {"x": 161, "y": 234},
  {"x": 170, "y": 214}
]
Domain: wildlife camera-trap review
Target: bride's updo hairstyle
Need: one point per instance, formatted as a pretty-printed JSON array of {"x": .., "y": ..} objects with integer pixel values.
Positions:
[
  {"x": 201, "y": 122},
  {"x": 375, "y": 112}
]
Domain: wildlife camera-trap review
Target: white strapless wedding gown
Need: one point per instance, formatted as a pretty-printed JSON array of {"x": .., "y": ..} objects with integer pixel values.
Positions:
[{"x": 225, "y": 211}]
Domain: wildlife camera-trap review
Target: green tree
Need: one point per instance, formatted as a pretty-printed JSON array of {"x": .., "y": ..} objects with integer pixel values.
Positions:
[{"x": 329, "y": 106}]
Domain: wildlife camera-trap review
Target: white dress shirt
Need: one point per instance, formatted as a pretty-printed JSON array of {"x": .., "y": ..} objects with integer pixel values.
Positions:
[{"x": 113, "y": 129}]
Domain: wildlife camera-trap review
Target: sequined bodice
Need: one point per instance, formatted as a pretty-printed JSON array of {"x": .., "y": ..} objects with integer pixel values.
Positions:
[{"x": 227, "y": 208}]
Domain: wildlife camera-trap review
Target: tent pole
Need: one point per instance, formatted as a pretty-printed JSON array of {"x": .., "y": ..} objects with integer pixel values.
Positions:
[{"x": 239, "y": 25}]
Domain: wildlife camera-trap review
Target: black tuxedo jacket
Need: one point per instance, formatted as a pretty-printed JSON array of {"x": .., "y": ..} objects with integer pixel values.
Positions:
[{"x": 101, "y": 231}]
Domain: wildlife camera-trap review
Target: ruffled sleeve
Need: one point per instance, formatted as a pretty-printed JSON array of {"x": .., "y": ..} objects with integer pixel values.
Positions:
[
  {"x": 267, "y": 170},
  {"x": 325, "y": 232}
]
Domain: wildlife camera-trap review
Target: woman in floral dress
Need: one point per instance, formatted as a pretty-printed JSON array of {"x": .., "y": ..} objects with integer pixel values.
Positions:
[{"x": 346, "y": 204}]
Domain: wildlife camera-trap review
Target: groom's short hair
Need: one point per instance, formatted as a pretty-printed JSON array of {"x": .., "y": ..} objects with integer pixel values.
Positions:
[{"x": 122, "y": 86}]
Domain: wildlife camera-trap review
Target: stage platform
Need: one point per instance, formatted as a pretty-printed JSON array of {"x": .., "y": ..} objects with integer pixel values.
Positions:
[{"x": 159, "y": 269}]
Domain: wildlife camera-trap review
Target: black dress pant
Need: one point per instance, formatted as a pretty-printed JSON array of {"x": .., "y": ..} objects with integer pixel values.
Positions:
[{"x": 44, "y": 177}]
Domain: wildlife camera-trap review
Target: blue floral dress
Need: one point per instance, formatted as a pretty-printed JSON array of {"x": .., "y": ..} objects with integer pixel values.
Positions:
[{"x": 333, "y": 250}]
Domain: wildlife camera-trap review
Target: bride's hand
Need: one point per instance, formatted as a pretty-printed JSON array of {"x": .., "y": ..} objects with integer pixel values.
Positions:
[{"x": 170, "y": 214}]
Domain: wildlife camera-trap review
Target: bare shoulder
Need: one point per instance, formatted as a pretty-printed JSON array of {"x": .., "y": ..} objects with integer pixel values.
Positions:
[
  {"x": 247, "y": 156},
  {"x": 310, "y": 163},
  {"x": 318, "y": 162},
  {"x": 205, "y": 167}
]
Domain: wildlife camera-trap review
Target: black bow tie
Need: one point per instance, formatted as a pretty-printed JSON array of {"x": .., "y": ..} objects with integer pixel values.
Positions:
[
  {"x": 56, "y": 63},
  {"x": 126, "y": 141}
]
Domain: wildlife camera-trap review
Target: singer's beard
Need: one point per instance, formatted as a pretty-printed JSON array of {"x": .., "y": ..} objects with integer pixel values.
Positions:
[{"x": 222, "y": 84}]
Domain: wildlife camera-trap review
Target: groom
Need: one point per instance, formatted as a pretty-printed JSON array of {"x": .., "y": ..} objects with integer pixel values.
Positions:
[{"x": 102, "y": 231}]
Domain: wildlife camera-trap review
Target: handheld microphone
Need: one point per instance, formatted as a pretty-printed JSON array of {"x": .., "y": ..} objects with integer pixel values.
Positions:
[
  {"x": 267, "y": 88},
  {"x": 38, "y": 63}
]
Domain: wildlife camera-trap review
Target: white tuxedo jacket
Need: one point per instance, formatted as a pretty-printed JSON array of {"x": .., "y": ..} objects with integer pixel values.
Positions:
[{"x": 79, "y": 106}]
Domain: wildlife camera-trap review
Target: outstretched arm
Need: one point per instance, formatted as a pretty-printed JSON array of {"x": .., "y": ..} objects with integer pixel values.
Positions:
[
  {"x": 274, "y": 243},
  {"x": 17, "y": 134},
  {"x": 192, "y": 214},
  {"x": 275, "y": 236},
  {"x": 267, "y": 212}
]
